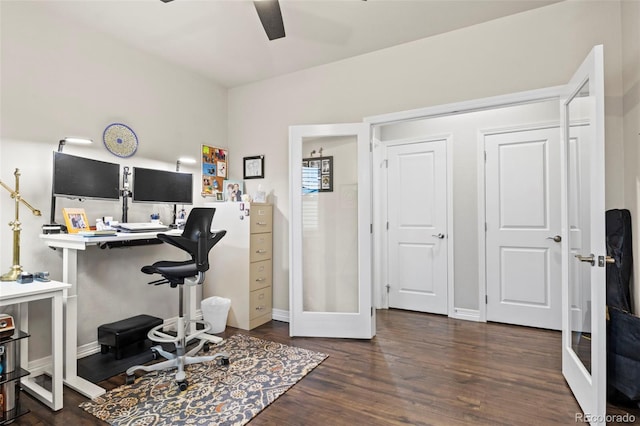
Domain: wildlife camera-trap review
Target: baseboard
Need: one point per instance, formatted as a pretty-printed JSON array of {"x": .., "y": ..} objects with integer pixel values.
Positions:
[
  {"x": 466, "y": 314},
  {"x": 280, "y": 315},
  {"x": 88, "y": 349},
  {"x": 39, "y": 366}
]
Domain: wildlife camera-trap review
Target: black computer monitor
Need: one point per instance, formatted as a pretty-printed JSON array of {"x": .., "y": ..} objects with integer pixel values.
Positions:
[
  {"x": 79, "y": 177},
  {"x": 161, "y": 186}
]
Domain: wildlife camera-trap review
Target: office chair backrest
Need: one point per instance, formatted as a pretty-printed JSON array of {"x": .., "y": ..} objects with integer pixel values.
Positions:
[
  {"x": 198, "y": 230},
  {"x": 199, "y": 220}
]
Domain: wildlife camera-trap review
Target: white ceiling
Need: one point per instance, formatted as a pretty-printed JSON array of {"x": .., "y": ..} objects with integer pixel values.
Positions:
[{"x": 224, "y": 39}]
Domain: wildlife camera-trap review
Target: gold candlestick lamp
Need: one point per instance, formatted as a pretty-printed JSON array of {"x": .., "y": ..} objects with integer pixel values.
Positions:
[{"x": 16, "y": 269}]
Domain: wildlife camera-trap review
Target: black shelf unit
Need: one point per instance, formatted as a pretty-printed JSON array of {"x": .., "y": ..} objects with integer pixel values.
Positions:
[{"x": 12, "y": 372}]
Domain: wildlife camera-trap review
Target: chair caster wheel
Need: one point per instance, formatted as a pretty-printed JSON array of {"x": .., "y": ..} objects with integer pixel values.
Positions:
[
  {"x": 223, "y": 361},
  {"x": 183, "y": 385},
  {"x": 206, "y": 347},
  {"x": 130, "y": 379},
  {"x": 154, "y": 354}
]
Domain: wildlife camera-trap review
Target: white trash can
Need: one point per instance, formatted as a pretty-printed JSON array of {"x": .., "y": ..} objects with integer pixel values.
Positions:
[{"x": 215, "y": 310}]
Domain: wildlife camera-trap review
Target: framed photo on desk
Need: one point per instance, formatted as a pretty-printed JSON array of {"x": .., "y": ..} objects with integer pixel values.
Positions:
[{"x": 76, "y": 220}]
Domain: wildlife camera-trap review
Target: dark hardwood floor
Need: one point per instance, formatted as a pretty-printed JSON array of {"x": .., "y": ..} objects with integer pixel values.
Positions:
[{"x": 420, "y": 369}]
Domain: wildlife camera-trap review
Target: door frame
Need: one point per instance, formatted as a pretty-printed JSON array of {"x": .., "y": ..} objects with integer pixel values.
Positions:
[
  {"x": 379, "y": 195},
  {"x": 380, "y": 191}
]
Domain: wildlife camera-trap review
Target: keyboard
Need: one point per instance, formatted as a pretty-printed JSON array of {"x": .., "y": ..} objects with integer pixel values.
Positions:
[{"x": 141, "y": 227}]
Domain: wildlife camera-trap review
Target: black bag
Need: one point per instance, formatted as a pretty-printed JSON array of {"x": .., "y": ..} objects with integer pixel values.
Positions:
[
  {"x": 619, "y": 247},
  {"x": 623, "y": 328},
  {"x": 623, "y": 353}
]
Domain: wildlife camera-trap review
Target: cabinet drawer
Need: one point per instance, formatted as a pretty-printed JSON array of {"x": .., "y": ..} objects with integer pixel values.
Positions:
[
  {"x": 261, "y": 218},
  {"x": 260, "y": 302},
  {"x": 260, "y": 274},
  {"x": 260, "y": 247}
]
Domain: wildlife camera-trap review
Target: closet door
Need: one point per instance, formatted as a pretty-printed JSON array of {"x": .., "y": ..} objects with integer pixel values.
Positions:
[{"x": 330, "y": 285}]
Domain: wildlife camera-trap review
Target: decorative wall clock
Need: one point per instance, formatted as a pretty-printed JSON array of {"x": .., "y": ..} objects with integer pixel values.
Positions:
[{"x": 120, "y": 140}]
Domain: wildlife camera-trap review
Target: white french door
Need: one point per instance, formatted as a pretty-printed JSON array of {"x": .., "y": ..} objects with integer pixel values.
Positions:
[
  {"x": 330, "y": 283},
  {"x": 584, "y": 254}
]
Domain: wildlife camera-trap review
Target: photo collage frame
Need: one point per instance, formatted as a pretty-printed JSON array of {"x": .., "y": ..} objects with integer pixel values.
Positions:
[{"x": 214, "y": 171}]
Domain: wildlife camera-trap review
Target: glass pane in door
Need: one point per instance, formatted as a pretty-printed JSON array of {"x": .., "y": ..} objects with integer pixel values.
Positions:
[
  {"x": 578, "y": 112},
  {"x": 330, "y": 224}
]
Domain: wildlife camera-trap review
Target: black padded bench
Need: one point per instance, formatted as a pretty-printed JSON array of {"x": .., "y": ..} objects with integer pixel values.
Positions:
[{"x": 125, "y": 332}]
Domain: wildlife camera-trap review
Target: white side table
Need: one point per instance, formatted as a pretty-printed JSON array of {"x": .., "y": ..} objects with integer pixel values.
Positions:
[{"x": 12, "y": 293}]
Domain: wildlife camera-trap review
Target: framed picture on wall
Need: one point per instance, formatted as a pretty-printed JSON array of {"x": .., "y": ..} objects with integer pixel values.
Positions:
[
  {"x": 254, "y": 167},
  {"x": 322, "y": 167}
]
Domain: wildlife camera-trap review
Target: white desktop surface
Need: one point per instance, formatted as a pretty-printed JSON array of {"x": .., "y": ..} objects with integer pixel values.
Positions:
[
  {"x": 12, "y": 293},
  {"x": 80, "y": 241},
  {"x": 70, "y": 244}
]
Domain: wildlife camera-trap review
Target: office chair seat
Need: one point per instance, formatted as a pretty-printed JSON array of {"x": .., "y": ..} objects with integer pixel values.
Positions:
[
  {"x": 173, "y": 271},
  {"x": 197, "y": 239}
]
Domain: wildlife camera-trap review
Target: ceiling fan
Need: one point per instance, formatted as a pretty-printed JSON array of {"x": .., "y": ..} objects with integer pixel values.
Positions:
[{"x": 270, "y": 16}]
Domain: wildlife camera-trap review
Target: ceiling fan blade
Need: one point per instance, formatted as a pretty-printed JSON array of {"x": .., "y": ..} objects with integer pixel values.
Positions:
[{"x": 271, "y": 18}]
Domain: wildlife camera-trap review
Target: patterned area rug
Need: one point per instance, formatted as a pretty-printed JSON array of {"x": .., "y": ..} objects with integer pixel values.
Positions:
[{"x": 260, "y": 371}]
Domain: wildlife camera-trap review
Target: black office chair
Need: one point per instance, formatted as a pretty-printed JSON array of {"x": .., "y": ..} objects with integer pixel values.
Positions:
[{"x": 197, "y": 239}]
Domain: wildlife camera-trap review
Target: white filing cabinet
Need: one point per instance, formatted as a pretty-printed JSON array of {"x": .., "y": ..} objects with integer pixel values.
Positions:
[{"x": 241, "y": 263}]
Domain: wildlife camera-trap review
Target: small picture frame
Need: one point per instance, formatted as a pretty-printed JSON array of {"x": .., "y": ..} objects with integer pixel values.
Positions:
[
  {"x": 76, "y": 220},
  {"x": 233, "y": 190},
  {"x": 254, "y": 167}
]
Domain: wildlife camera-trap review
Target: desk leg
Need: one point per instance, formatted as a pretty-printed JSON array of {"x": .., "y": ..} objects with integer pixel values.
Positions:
[
  {"x": 56, "y": 351},
  {"x": 70, "y": 268},
  {"x": 71, "y": 379}
]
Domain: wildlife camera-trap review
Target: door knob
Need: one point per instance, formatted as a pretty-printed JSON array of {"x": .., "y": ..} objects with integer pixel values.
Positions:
[
  {"x": 591, "y": 258},
  {"x": 556, "y": 238},
  {"x": 440, "y": 235},
  {"x": 603, "y": 260}
]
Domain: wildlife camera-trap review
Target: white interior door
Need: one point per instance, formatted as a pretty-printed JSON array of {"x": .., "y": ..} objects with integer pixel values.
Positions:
[
  {"x": 330, "y": 290},
  {"x": 584, "y": 255},
  {"x": 523, "y": 227},
  {"x": 417, "y": 233}
]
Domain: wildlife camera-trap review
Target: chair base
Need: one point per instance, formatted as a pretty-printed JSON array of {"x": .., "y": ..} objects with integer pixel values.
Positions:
[{"x": 181, "y": 358}]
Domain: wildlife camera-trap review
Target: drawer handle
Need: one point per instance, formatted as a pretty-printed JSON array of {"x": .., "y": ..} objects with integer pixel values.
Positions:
[
  {"x": 260, "y": 308},
  {"x": 261, "y": 251},
  {"x": 261, "y": 279},
  {"x": 261, "y": 223}
]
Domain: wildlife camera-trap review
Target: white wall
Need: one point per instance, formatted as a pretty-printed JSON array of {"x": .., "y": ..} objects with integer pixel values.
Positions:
[
  {"x": 536, "y": 49},
  {"x": 61, "y": 79}
]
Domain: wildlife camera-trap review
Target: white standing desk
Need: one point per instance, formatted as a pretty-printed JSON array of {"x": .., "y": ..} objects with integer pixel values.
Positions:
[
  {"x": 12, "y": 293},
  {"x": 70, "y": 244}
]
